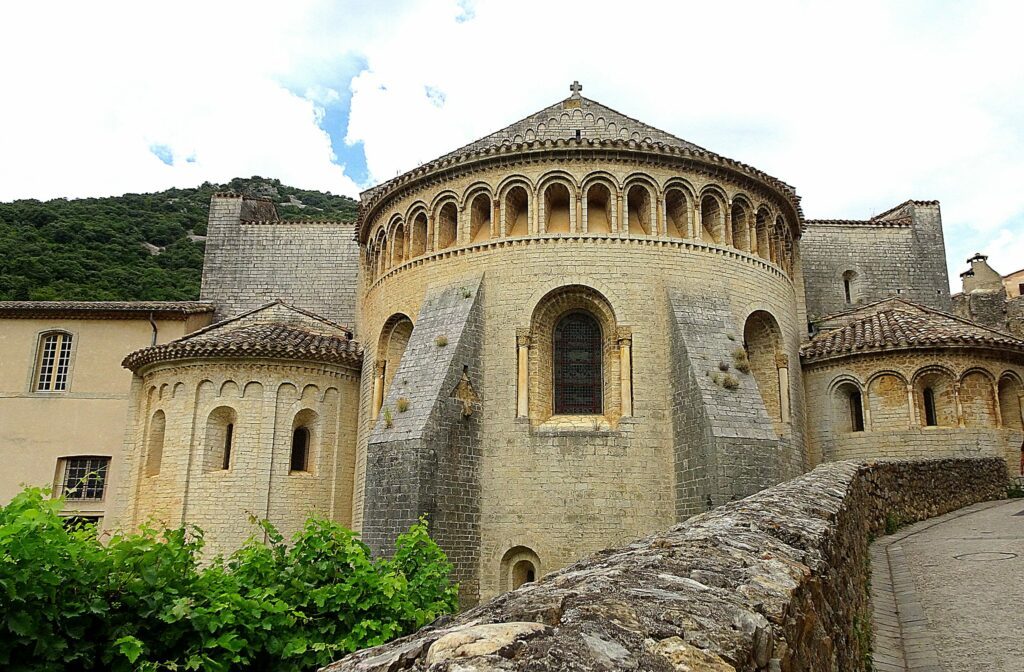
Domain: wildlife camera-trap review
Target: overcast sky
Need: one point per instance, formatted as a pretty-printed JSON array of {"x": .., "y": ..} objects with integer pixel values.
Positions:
[{"x": 859, "y": 105}]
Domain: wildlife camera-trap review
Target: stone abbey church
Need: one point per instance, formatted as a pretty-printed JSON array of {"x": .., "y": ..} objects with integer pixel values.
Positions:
[{"x": 568, "y": 334}]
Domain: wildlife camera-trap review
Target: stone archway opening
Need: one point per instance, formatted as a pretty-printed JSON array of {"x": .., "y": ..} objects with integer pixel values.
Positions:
[
  {"x": 599, "y": 209},
  {"x": 556, "y": 208}
]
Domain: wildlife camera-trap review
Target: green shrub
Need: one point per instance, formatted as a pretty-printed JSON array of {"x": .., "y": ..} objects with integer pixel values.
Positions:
[{"x": 144, "y": 601}]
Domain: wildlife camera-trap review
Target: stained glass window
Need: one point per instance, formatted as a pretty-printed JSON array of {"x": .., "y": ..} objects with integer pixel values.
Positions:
[{"x": 577, "y": 364}]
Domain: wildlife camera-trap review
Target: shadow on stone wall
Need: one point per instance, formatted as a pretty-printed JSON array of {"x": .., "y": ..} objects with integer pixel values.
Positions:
[{"x": 776, "y": 581}]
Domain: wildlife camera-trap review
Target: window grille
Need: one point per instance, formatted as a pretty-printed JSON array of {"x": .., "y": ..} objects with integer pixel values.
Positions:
[
  {"x": 577, "y": 364},
  {"x": 85, "y": 477},
  {"x": 54, "y": 360}
]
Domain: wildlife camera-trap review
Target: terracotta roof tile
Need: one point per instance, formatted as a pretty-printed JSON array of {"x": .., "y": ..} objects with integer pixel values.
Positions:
[
  {"x": 91, "y": 310},
  {"x": 272, "y": 340},
  {"x": 897, "y": 324}
]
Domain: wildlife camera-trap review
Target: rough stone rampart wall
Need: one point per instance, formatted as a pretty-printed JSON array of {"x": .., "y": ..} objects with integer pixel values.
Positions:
[
  {"x": 310, "y": 265},
  {"x": 905, "y": 254},
  {"x": 777, "y": 581},
  {"x": 428, "y": 460}
]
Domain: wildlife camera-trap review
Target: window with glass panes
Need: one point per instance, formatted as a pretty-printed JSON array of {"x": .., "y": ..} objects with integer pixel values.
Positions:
[
  {"x": 84, "y": 477},
  {"x": 54, "y": 360}
]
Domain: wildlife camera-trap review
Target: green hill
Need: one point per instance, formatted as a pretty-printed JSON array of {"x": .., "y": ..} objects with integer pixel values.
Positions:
[{"x": 134, "y": 247}]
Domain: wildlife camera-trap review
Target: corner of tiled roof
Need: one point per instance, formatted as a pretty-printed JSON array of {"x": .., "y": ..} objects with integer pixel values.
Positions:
[
  {"x": 273, "y": 330},
  {"x": 897, "y": 324}
]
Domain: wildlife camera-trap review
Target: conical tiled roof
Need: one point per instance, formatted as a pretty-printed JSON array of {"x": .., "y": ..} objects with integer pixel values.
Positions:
[
  {"x": 575, "y": 122},
  {"x": 560, "y": 121},
  {"x": 273, "y": 331},
  {"x": 894, "y": 324}
]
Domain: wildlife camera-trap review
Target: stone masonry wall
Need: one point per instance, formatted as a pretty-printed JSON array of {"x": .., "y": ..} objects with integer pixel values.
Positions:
[
  {"x": 777, "y": 581},
  {"x": 428, "y": 460},
  {"x": 726, "y": 446},
  {"x": 900, "y": 255},
  {"x": 310, "y": 265}
]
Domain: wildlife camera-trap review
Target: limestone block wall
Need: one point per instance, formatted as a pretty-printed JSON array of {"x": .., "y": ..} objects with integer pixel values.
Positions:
[
  {"x": 776, "y": 581},
  {"x": 726, "y": 444},
  {"x": 900, "y": 254},
  {"x": 176, "y": 474},
  {"x": 310, "y": 265},
  {"x": 428, "y": 460},
  {"x": 977, "y": 402},
  {"x": 562, "y": 490}
]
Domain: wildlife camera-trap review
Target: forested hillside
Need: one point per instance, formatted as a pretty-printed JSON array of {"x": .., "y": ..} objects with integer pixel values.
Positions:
[{"x": 133, "y": 247}]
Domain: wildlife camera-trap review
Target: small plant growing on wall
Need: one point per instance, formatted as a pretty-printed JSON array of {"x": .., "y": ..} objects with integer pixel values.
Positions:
[
  {"x": 741, "y": 361},
  {"x": 466, "y": 293},
  {"x": 730, "y": 382},
  {"x": 389, "y": 422},
  {"x": 892, "y": 523},
  {"x": 402, "y": 404},
  {"x": 716, "y": 378},
  {"x": 441, "y": 341}
]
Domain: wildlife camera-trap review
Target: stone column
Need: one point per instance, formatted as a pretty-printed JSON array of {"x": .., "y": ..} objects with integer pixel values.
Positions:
[
  {"x": 431, "y": 233},
  {"x": 698, "y": 221},
  {"x": 625, "y": 340},
  {"x": 495, "y": 224},
  {"x": 959, "y": 405},
  {"x": 995, "y": 397},
  {"x": 727, "y": 224},
  {"x": 378, "y": 388},
  {"x": 912, "y": 414},
  {"x": 782, "y": 361},
  {"x": 752, "y": 234},
  {"x": 523, "y": 378}
]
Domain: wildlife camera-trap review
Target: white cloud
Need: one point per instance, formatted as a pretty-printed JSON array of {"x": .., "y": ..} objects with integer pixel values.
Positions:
[{"x": 858, "y": 105}]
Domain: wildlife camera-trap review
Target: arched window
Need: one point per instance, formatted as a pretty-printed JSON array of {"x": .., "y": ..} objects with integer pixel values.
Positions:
[
  {"x": 155, "y": 449},
  {"x": 936, "y": 399},
  {"x": 557, "y": 202},
  {"x": 930, "y": 418},
  {"x": 1010, "y": 394},
  {"x": 53, "y": 362},
  {"x": 516, "y": 212},
  {"x": 398, "y": 247},
  {"x": 850, "y": 287},
  {"x": 519, "y": 565},
  {"x": 764, "y": 246},
  {"x": 447, "y": 225},
  {"x": 711, "y": 220},
  {"x": 848, "y": 408},
  {"x": 676, "y": 213},
  {"x": 418, "y": 239},
  {"x": 300, "y": 450},
  {"x": 577, "y": 365},
  {"x": 762, "y": 339},
  {"x": 480, "y": 219},
  {"x": 220, "y": 438},
  {"x": 599, "y": 209},
  {"x": 638, "y": 204},
  {"x": 523, "y": 572},
  {"x": 740, "y": 227}
]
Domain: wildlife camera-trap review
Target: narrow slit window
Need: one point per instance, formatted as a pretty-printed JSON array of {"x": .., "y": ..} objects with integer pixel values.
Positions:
[
  {"x": 929, "y": 408},
  {"x": 846, "y": 290},
  {"x": 856, "y": 411},
  {"x": 300, "y": 449},
  {"x": 53, "y": 362},
  {"x": 229, "y": 432},
  {"x": 577, "y": 365}
]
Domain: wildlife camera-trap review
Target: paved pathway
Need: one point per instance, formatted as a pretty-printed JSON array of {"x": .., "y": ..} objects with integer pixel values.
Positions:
[{"x": 948, "y": 592}]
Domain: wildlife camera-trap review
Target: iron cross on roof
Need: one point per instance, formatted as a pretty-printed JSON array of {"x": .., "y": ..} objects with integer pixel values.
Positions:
[{"x": 575, "y": 87}]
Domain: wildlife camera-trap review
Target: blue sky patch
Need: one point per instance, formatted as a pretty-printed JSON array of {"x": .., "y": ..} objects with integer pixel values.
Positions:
[{"x": 162, "y": 152}]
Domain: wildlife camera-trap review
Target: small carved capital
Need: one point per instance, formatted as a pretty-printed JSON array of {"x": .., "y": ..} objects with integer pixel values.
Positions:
[
  {"x": 624, "y": 336},
  {"x": 378, "y": 367},
  {"x": 523, "y": 337},
  {"x": 782, "y": 360}
]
